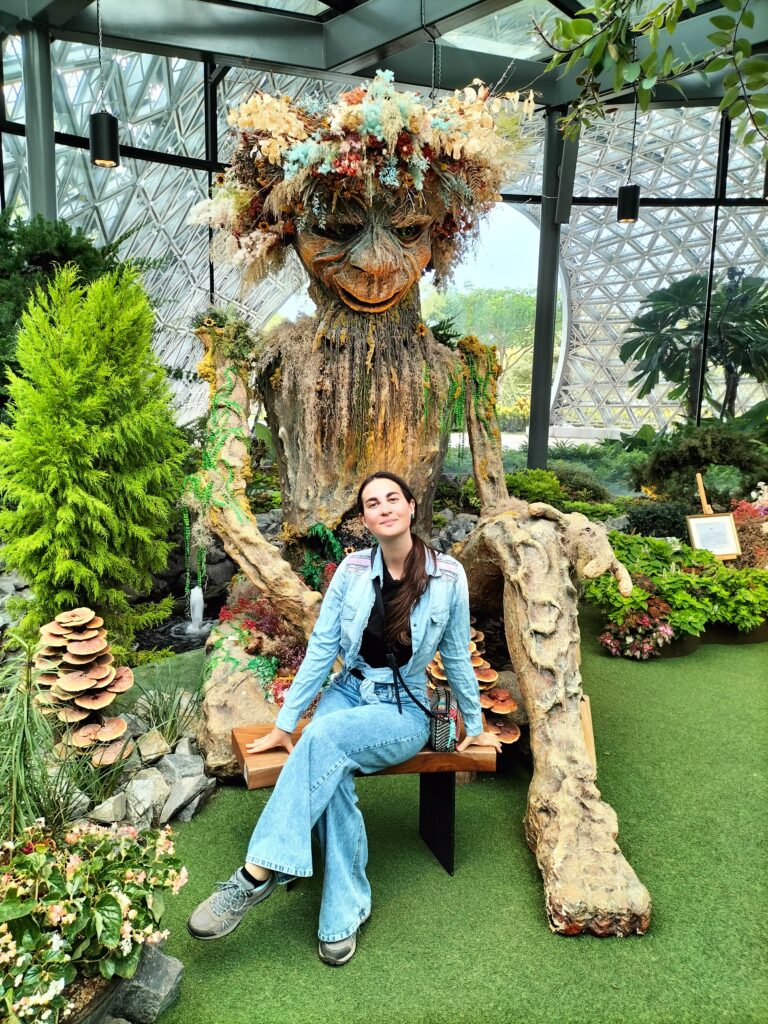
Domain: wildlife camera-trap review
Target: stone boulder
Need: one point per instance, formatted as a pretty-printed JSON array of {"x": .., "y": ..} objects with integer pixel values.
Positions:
[{"x": 153, "y": 988}]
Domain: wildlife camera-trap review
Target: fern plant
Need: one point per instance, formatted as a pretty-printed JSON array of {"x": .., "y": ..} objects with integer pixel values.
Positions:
[{"x": 90, "y": 462}]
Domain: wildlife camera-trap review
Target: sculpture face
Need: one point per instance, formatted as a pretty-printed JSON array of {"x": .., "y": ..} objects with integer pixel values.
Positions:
[{"x": 369, "y": 256}]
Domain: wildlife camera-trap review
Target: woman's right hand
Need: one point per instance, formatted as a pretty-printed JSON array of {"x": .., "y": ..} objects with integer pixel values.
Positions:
[{"x": 275, "y": 738}]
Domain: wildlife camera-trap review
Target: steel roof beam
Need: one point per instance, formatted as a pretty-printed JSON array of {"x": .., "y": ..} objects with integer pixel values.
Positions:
[
  {"x": 206, "y": 32},
  {"x": 380, "y": 29}
]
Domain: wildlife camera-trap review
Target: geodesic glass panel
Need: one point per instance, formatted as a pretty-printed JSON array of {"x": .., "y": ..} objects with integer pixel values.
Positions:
[
  {"x": 158, "y": 101},
  {"x": 746, "y": 170},
  {"x": 151, "y": 202}
]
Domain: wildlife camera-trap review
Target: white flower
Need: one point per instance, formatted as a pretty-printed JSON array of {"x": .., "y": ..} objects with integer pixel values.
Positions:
[{"x": 57, "y": 941}]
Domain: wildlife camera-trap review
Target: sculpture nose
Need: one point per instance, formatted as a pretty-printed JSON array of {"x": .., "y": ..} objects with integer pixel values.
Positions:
[{"x": 374, "y": 255}]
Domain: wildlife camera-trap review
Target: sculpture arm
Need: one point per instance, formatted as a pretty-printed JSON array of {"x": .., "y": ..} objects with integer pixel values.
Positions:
[
  {"x": 322, "y": 650},
  {"x": 454, "y": 651}
]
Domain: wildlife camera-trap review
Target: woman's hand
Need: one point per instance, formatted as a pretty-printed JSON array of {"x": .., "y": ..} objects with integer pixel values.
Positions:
[
  {"x": 275, "y": 738},
  {"x": 483, "y": 739}
]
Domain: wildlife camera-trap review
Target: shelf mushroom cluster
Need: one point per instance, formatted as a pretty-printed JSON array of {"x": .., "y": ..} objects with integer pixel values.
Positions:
[
  {"x": 492, "y": 698},
  {"x": 77, "y": 680}
]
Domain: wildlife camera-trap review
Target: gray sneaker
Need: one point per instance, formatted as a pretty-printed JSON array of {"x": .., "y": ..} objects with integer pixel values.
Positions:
[
  {"x": 223, "y": 911},
  {"x": 336, "y": 954}
]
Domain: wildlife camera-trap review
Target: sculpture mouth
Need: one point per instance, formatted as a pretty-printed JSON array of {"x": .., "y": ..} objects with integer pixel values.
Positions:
[{"x": 367, "y": 306}]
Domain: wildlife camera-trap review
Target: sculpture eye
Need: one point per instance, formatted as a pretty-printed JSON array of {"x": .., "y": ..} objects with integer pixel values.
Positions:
[
  {"x": 339, "y": 231},
  {"x": 409, "y": 233}
]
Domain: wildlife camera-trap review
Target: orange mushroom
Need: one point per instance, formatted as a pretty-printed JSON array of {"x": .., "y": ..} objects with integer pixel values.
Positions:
[
  {"x": 111, "y": 729},
  {"x": 108, "y": 755},
  {"x": 95, "y": 701},
  {"x": 75, "y": 617}
]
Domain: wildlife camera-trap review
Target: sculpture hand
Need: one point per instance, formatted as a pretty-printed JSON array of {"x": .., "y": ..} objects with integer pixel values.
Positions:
[
  {"x": 483, "y": 739},
  {"x": 275, "y": 738}
]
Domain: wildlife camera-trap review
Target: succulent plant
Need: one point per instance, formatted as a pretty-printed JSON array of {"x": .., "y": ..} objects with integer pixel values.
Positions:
[{"x": 77, "y": 680}]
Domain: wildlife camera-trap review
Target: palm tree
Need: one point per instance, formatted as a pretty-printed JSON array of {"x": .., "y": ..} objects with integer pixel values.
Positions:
[{"x": 665, "y": 339}]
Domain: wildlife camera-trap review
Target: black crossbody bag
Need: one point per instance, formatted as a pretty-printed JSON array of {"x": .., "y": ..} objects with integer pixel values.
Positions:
[{"x": 444, "y": 721}]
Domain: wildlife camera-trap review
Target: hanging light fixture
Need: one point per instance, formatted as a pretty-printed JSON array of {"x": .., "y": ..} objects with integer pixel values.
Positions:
[
  {"x": 105, "y": 148},
  {"x": 628, "y": 203}
]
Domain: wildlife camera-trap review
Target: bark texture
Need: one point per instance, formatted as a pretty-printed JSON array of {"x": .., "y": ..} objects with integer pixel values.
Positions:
[
  {"x": 523, "y": 557},
  {"x": 225, "y": 505}
]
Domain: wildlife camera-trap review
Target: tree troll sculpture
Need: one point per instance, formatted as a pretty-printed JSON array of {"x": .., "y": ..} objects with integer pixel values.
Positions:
[{"x": 371, "y": 191}]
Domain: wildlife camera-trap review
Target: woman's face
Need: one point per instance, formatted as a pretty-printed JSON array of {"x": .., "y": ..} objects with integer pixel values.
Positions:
[{"x": 386, "y": 512}]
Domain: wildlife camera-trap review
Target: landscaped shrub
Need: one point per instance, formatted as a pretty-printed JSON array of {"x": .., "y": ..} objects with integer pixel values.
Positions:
[
  {"x": 90, "y": 464},
  {"x": 676, "y": 457},
  {"x": 658, "y": 518},
  {"x": 592, "y": 509},
  {"x": 535, "y": 485},
  {"x": 578, "y": 483},
  {"x": 681, "y": 586},
  {"x": 30, "y": 254}
]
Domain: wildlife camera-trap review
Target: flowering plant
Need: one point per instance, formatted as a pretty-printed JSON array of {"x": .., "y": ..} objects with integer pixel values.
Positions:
[
  {"x": 294, "y": 162},
  {"x": 639, "y": 636},
  {"x": 85, "y": 906}
]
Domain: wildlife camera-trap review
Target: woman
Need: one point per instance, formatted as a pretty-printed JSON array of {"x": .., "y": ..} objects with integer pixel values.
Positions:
[{"x": 359, "y": 724}]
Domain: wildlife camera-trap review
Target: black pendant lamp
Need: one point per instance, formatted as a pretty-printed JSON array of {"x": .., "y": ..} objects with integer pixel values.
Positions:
[
  {"x": 628, "y": 202},
  {"x": 105, "y": 147}
]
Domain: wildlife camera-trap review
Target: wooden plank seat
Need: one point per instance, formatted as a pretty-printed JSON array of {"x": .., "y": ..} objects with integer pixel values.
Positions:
[{"x": 437, "y": 782}]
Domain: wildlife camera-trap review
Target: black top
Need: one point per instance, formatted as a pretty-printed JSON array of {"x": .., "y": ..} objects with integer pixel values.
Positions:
[{"x": 373, "y": 644}]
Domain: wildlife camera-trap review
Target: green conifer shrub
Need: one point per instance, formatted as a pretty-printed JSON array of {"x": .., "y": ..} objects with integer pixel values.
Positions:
[
  {"x": 30, "y": 253},
  {"x": 90, "y": 462}
]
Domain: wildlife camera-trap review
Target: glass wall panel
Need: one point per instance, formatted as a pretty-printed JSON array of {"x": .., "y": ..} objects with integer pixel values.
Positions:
[
  {"x": 746, "y": 170},
  {"x": 157, "y": 100},
  {"x": 612, "y": 268},
  {"x": 675, "y": 154},
  {"x": 150, "y": 203}
]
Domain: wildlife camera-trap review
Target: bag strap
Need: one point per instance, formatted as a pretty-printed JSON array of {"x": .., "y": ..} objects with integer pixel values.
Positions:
[{"x": 390, "y": 654}]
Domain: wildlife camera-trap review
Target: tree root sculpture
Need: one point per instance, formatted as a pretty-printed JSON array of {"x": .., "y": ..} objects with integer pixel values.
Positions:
[
  {"x": 218, "y": 494},
  {"x": 524, "y": 556}
]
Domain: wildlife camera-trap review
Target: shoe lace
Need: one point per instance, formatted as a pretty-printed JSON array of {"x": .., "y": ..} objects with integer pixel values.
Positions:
[{"x": 229, "y": 898}]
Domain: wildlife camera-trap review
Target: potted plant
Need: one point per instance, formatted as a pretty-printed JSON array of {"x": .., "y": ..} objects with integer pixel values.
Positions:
[{"x": 78, "y": 908}]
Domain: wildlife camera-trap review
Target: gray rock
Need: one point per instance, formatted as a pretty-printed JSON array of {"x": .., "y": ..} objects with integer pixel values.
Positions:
[
  {"x": 187, "y": 813},
  {"x": 7, "y": 585},
  {"x": 152, "y": 746},
  {"x": 187, "y": 746},
  {"x": 182, "y": 793},
  {"x": 146, "y": 794},
  {"x": 180, "y": 766},
  {"x": 113, "y": 809},
  {"x": 222, "y": 572},
  {"x": 447, "y": 513},
  {"x": 263, "y": 520},
  {"x": 153, "y": 988},
  {"x": 25, "y": 594},
  {"x": 136, "y": 726}
]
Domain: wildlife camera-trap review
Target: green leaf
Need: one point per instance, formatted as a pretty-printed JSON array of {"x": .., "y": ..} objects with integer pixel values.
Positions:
[
  {"x": 644, "y": 99},
  {"x": 12, "y": 910},
  {"x": 107, "y": 968},
  {"x": 759, "y": 100},
  {"x": 582, "y": 27},
  {"x": 737, "y": 109},
  {"x": 158, "y": 904},
  {"x": 668, "y": 60},
  {"x": 742, "y": 48},
  {"x": 731, "y": 5},
  {"x": 723, "y": 21},
  {"x": 631, "y": 72},
  {"x": 111, "y": 919},
  {"x": 717, "y": 64},
  {"x": 653, "y": 37},
  {"x": 720, "y": 38},
  {"x": 730, "y": 97},
  {"x": 747, "y": 19},
  {"x": 732, "y": 78},
  {"x": 691, "y": 5},
  {"x": 749, "y": 138},
  {"x": 648, "y": 83}
]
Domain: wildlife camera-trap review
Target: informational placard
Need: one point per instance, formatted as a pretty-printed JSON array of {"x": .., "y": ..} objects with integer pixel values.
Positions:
[{"x": 715, "y": 533}]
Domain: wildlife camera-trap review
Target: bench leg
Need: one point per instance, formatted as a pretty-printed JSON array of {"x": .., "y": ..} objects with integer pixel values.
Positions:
[{"x": 437, "y": 814}]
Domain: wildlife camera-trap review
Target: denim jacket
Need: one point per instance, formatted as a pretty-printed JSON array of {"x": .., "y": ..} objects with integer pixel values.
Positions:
[{"x": 439, "y": 619}]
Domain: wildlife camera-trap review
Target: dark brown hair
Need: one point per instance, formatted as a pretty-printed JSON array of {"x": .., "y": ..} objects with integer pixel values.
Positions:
[{"x": 415, "y": 578}]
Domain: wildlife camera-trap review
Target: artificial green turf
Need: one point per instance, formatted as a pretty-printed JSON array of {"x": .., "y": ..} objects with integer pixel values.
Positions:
[{"x": 681, "y": 747}]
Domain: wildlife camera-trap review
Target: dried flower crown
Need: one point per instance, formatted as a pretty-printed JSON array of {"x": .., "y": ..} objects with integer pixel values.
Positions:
[{"x": 294, "y": 162}]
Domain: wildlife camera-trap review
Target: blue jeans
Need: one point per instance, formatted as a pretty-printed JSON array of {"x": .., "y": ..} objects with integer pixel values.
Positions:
[{"x": 349, "y": 732}]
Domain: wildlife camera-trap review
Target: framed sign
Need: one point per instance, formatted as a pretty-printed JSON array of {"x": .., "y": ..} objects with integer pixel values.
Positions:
[{"x": 715, "y": 533}]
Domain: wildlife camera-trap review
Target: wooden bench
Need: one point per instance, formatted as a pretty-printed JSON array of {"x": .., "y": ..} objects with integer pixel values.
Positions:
[{"x": 437, "y": 782}]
